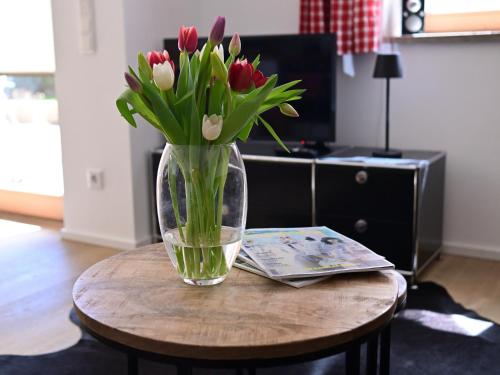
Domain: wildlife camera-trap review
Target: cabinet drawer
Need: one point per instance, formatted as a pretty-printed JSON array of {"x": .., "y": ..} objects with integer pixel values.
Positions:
[
  {"x": 350, "y": 191},
  {"x": 393, "y": 240}
]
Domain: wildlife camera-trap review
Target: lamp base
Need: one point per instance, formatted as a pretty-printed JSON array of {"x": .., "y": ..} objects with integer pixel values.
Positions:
[{"x": 395, "y": 154}]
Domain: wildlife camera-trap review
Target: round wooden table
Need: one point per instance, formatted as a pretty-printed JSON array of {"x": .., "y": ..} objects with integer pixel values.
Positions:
[{"x": 136, "y": 301}]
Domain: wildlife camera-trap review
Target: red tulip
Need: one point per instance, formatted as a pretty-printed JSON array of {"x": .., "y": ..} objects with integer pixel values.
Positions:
[
  {"x": 155, "y": 57},
  {"x": 259, "y": 79},
  {"x": 240, "y": 75},
  {"x": 188, "y": 39}
]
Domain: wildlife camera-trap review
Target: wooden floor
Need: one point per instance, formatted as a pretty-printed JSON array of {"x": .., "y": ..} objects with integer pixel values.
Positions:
[{"x": 38, "y": 270}]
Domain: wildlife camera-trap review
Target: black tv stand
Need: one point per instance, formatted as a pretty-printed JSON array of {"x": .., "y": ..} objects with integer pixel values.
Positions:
[{"x": 307, "y": 150}]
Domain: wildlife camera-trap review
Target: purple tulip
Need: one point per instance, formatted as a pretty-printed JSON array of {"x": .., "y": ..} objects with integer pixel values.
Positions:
[
  {"x": 133, "y": 83},
  {"x": 217, "y": 32}
]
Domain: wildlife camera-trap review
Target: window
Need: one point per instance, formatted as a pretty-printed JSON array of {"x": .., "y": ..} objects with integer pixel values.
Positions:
[
  {"x": 462, "y": 15},
  {"x": 30, "y": 146}
]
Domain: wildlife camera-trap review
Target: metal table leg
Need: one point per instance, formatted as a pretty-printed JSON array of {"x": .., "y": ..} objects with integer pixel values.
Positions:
[
  {"x": 184, "y": 370},
  {"x": 352, "y": 359},
  {"x": 132, "y": 365},
  {"x": 385, "y": 351},
  {"x": 372, "y": 356}
]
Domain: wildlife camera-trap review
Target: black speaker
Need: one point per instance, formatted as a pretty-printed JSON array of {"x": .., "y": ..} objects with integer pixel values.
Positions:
[{"x": 413, "y": 16}]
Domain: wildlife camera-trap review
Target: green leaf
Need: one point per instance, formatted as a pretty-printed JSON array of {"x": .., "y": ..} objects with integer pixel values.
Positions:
[
  {"x": 215, "y": 98},
  {"x": 256, "y": 62},
  {"x": 218, "y": 67},
  {"x": 229, "y": 61},
  {"x": 245, "y": 132},
  {"x": 121, "y": 104},
  {"x": 184, "y": 82},
  {"x": 182, "y": 101},
  {"x": 286, "y": 86},
  {"x": 169, "y": 124},
  {"x": 273, "y": 134},
  {"x": 204, "y": 72},
  {"x": 137, "y": 102},
  {"x": 194, "y": 68},
  {"x": 240, "y": 116},
  {"x": 195, "y": 123},
  {"x": 131, "y": 71},
  {"x": 145, "y": 71}
]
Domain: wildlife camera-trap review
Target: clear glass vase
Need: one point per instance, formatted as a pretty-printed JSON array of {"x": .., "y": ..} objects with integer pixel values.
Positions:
[{"x": 202, "y": 206}]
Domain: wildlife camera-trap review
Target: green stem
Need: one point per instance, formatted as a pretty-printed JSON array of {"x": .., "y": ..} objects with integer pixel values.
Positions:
[{"x": 172, "y": 185}]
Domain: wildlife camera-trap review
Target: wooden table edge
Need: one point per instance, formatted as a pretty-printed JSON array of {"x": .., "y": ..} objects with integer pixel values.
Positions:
[{"x": 236, "y": 353}]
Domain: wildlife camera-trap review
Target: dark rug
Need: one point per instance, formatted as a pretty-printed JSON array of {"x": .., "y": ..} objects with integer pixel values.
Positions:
[{"x": 433, "y": 335}]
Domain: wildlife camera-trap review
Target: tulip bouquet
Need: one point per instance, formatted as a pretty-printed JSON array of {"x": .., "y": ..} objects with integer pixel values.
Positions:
[{"x": 213, "y": 101}]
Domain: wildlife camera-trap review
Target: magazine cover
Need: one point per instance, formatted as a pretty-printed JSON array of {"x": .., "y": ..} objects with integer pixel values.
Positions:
[{"x": 304, "y": 252}]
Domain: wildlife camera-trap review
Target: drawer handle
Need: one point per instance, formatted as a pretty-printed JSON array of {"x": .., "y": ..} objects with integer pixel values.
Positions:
[
  {"x": 361, "y": 177},
  {"x": 361, "y": 226}
]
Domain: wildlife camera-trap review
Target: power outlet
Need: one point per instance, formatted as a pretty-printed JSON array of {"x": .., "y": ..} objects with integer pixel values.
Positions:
[{"x": 95, "y": 179}]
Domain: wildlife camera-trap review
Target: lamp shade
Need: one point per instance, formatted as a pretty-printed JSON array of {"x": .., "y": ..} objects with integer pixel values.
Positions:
[{"x": 388, "y": 66}]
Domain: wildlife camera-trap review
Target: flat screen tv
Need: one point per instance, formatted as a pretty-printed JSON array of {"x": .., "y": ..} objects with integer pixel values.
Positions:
[{"x": 309, "y": 57}]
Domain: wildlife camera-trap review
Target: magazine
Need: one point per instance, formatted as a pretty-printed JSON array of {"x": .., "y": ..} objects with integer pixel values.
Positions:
[
  {"x": 296, "y": 283},
  {"x": 284, "y": 253}
]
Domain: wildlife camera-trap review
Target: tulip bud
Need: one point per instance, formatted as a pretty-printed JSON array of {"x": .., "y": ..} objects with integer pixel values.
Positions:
[
  {"x": 163, "y": 75},
  {"x": 240, "y": 75},
  {"x": 133, "y": 83},
  {"x": 288, "y": 110},
  {"x": 211, "y": 127},
  {"x": 217, "y": 32},
  {"x": 259, "y": 79},
  {"x": 188, "y": 39},
  {"x": 219, "y": 70},
  {"x": 235, "y": 45}
]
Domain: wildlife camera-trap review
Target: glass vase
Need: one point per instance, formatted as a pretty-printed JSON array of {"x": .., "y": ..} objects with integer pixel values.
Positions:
[{"x": 202, "y": 206}]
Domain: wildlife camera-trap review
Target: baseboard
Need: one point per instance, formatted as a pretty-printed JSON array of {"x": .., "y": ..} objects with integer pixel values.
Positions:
[
  {"x": 471, "y": 251},
  {"x": 116, "y": 243}
]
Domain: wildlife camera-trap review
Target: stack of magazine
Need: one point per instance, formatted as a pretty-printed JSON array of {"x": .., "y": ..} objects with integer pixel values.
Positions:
[{"x": 304, "y": 256}]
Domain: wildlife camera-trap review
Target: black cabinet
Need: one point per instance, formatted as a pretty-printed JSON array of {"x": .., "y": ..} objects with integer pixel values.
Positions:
[
  {"x": 279, "y": 193},
  {"x": 393, "y": 207}
]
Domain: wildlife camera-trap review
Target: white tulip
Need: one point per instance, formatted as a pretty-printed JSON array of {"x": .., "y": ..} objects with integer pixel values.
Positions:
[
  {"x": 163, "y": 75},
  {"x": 220, "y": 52},
  {"x": 211, "y": 127},
  {"x": 219, "y": 49}
]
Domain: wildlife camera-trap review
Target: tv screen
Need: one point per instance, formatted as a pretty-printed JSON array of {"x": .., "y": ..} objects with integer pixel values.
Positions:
[{"x": 309, "y": 57}]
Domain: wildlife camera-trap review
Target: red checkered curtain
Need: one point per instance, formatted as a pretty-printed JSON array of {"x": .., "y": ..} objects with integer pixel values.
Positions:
[
  {"x": 312, "y": 16},
  {"x": 357, "y": 25},
  {"x": 356, "y": 22}
]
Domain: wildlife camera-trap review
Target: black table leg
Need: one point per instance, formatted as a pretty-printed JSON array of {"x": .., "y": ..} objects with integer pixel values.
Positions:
[
  {"x": 372, "y": 356},
  {"x": 184, "y": 370},
  {"x": 132, "y": 365},
  {"x": 385, "y": 351},
  {"x": 352, "y": 359}
]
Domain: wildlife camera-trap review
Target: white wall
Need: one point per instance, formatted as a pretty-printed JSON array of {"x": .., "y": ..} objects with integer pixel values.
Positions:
[
  {"x": 251, "y": 17},
  {"x": 93, "y": 134}
]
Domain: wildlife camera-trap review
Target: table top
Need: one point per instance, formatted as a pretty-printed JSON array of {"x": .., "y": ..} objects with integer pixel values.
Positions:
[{"x": 136, "y": 299}]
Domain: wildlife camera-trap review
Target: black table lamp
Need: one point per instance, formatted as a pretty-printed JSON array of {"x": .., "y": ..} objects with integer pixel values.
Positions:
[{"x": 387, "y": 66}]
